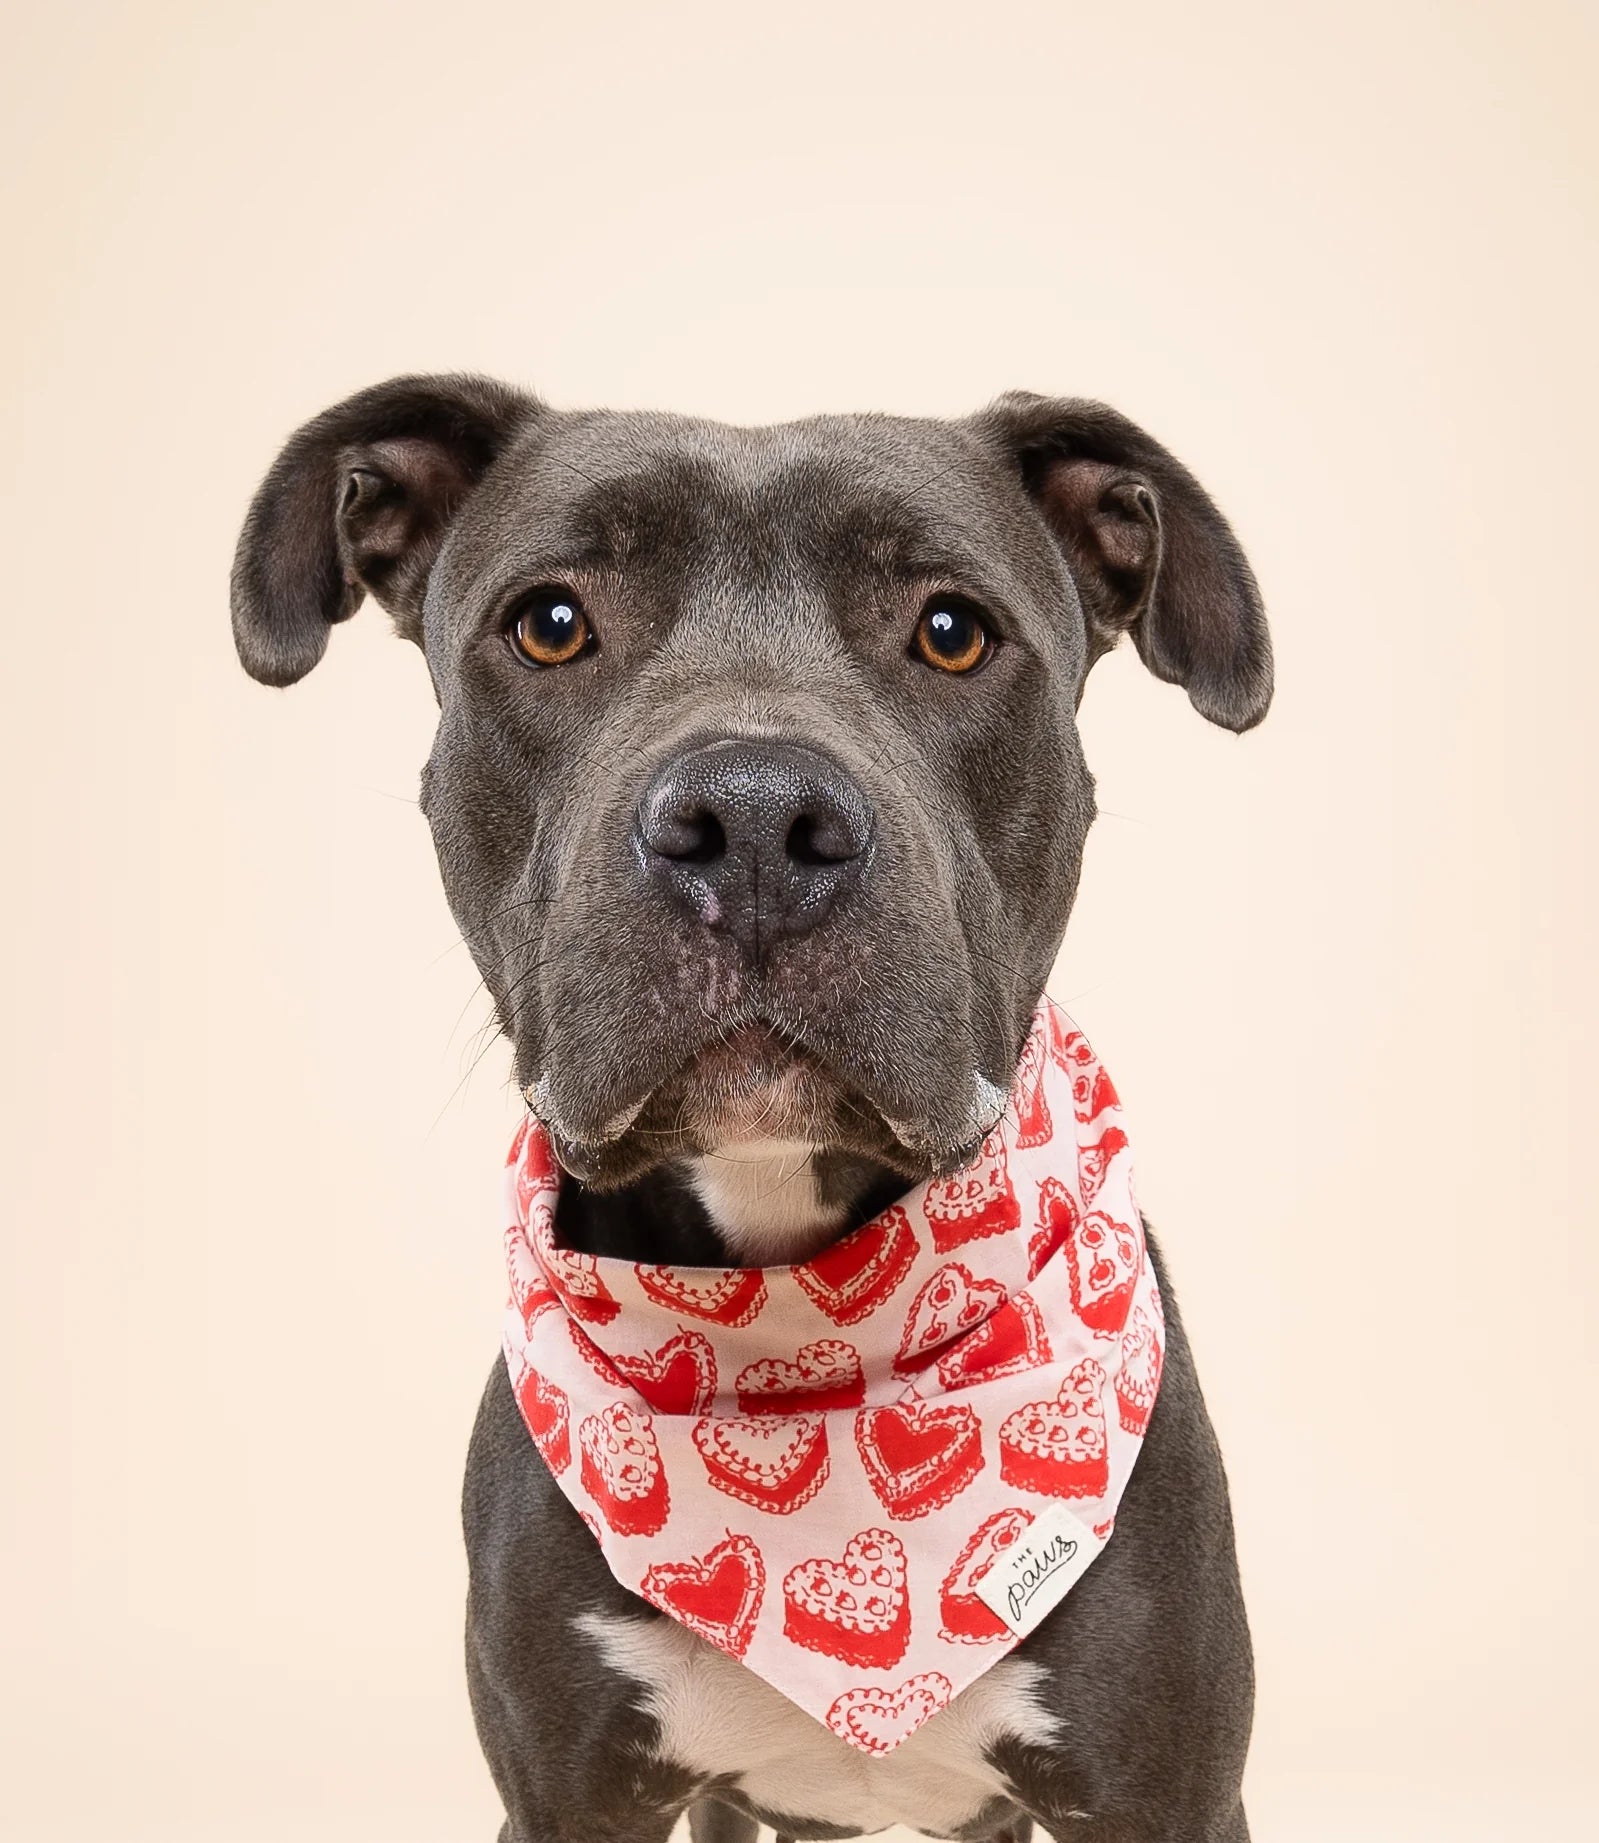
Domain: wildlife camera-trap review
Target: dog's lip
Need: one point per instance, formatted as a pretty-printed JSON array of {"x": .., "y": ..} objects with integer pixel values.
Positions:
[
  {"x": 746, "y": 1048},
  {"x": 743, "y": 1054}
]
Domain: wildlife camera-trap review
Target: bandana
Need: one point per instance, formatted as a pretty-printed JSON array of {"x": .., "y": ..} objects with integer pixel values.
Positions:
[{"x": 871, "y": 1474}]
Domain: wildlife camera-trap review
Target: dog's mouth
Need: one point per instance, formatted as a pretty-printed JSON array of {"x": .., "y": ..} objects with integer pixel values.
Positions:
[{"x": 752, "y": 1082}]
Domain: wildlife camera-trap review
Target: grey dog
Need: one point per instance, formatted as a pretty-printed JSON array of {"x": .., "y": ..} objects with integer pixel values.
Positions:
[{"x": 758, "y": 796}]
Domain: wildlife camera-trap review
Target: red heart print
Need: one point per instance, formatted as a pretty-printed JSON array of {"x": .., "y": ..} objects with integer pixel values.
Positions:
[
  {"x": 1070, "y": 1049},
  {"x": 622, "y": 1471},
  {"x": 1092, "y": 1093},
  {"x": 823, "y": 1375},
  {"x": 1057, "y": 1447},
  {"x": 950, "y": 1303},
  {"x": 718, "y": 1595},
  {"x": 679, "y": 1378},
  {"x": 1094, "y": 1160},
  {"x": 878, "y": 1720},
  {"x": 1092, "y": 1089},
  {"x": 547, "y": 1417},
  {"x": 576, "y": 1277},
  {"x": 1057, "y": 1217},
  {"x": 975, "y": 1202},
  {"x": 917, "y": 1456},
  {"x": 1011, "y": 1341},
  {"x": 856, "y": 1609},
  {"x": 775, "y": 1463},
  {"x": 725, "y": 1295},
  {"x": 1138, "y": 1379},
  {"x": 1105, "y": 1257},
  {"x": 854, "y": 1276},
  {"x": 967, "y": 1620}
]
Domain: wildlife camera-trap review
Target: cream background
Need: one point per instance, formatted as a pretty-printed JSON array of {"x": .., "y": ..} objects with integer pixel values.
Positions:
[{"x": 1343, "y": 261}]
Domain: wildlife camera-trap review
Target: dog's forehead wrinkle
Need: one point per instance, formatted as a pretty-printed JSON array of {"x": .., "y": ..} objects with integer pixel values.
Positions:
[{"x": 896, "y": 474}]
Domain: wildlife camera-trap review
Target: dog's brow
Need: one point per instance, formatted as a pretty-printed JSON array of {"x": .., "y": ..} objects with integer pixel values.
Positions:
[
  {"x": 931, "y": 480},
  {"x": 573, "y": 468}
]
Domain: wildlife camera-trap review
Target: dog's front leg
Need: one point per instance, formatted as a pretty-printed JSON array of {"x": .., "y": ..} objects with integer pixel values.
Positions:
[
  {"x": 710, "y": 1821},
  {"x": 570, "y": 1749},
  {"x": 571, "y": 1787}
]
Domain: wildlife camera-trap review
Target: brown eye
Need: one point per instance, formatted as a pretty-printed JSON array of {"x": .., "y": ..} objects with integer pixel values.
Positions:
[
  {"x": 950, "y": 635},
  {"x": 549, "y": 627}
]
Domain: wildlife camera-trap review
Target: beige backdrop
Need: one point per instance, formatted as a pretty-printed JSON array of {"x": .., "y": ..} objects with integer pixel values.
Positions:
[{"x": 1345, "y": 265}]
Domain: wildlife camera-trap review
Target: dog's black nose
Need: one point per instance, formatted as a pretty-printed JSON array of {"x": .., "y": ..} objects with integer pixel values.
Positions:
[{"x": 757, "y": 838}]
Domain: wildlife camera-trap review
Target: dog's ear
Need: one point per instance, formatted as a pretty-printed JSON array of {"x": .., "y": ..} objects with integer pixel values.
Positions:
[
  {"x": 358, "y": 502},
  {"x": 1149, "y": 551}
]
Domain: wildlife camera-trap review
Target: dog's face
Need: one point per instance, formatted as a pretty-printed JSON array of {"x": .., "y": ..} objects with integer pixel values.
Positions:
[{"x": 757, "y": 788}]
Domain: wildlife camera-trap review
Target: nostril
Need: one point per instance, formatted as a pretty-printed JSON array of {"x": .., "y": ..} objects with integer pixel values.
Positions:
[
  {"x": 692, "y": 836},
  {"x": 817, "y": 839}
]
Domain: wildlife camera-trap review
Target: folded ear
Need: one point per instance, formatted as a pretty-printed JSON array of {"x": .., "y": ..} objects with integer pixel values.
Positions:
[
  {"x": 358, "y": 502},
  {"x": 1149, "y": 551}
]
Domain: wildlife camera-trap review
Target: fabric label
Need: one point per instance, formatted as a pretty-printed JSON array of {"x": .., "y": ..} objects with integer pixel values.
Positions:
[{"x": 1032, "y": 1578}]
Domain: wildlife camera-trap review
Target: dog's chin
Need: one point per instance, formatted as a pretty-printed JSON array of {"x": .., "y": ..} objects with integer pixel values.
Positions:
[{"x": 755, "y": 1084}]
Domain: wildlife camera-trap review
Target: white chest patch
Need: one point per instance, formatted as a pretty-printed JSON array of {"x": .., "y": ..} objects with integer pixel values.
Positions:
[
  {"x": 718, "y": 1718},
  {"x": 762, "y": 1197}
]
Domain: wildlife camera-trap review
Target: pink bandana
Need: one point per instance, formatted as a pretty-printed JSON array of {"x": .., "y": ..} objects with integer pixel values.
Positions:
[{"x": 871, "y": 1474}]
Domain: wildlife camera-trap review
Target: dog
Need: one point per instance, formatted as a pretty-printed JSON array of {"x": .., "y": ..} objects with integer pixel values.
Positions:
[{"x": 758, "y": 796}]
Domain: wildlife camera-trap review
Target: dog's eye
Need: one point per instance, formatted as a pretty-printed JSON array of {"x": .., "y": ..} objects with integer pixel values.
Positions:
[
  {"x": 950, "y": 635},
  {"x": 549, "y": 627}
]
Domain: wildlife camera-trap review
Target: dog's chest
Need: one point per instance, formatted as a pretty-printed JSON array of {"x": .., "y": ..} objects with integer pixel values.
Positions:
[{"x": 720, "y": 1721}]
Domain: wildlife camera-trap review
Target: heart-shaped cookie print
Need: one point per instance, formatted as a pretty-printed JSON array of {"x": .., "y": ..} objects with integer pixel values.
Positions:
[
  {"x": 977, "y": 1201},
  {"x": 949, "y": 1304},
  {"x": 1104, "y": 1260},
  {"x": 1138, "y": 1379},
  {"x": 1070, "y": 1049},
  {"x": 1093, "y": 1161},
  {"x": 718, "y": 1595},
  {"x": 1057, "y": 1217},
  {"x": 621, "y": 1470},
  {"x": 724, "y": 1295},
  {"x": 1058, "y": 1447},
  {"x": 878, "y": 1720},
  {"x": 576, "y": 1277},
  {"x": 1013, "y": 1339},
  {"x": 857, "y": 1608},
  {"x": 679, "y": 1378},
  {"x": 776, "y": 1463},
  {"x": 547, "y": 1417},
  {"x": 1092, "y": 1094},
  {"x": 918, "y": 1456},
  {"x": 823, "y": 1375},
  {"x": 967, "y": 1620},
  {"x": 1092, "y": 1090},
  {"x": 855, "y": 1275}
]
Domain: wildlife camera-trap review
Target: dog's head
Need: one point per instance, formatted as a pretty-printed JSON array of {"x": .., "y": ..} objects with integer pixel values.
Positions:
[{"x": 757, "y": 788}]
